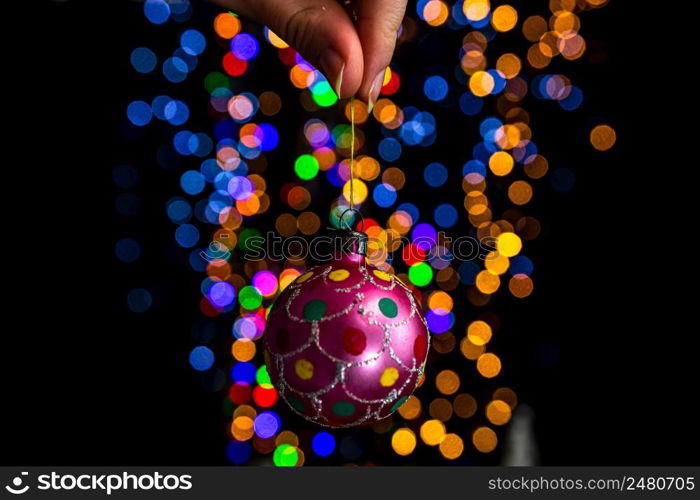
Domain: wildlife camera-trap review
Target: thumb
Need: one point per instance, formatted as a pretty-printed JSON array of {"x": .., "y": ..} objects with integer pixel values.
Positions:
[
  {"x": 377, "y": 24},
  {"x": 320, "y": 30}
]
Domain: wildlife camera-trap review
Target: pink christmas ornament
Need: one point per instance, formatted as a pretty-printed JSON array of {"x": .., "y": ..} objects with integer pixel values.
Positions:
[{"x": 346, "y": 343}]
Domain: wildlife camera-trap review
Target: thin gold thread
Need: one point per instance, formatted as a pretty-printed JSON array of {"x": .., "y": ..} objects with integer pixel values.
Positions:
[{"x": 352, "y": 153}]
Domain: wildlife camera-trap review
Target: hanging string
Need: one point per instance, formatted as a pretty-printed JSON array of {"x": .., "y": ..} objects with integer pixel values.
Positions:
[
  {"x": 352, "y": 153},
  {"x": 349, "y": 6},
  {"x": 351, "y": 194}
]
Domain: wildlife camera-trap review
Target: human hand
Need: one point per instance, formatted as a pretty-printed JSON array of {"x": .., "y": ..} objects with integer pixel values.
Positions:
[{"x": 352, "y": 56}]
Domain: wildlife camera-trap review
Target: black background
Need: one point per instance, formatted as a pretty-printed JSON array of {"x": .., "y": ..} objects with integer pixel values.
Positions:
[{"x": 85, "y": 381}]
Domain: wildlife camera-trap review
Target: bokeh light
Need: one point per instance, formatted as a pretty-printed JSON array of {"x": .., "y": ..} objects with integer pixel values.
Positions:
[
  {"x": 484, "y": 439},
  {"x": 403, "y": 441},
  {"x": 603, "y": 137},
  {"x": 432, "y": 432}
]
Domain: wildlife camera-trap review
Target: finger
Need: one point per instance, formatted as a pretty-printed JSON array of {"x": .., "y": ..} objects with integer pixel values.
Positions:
[
  {"x": 377, "y": 24},
  {"x": 320, "y": 30}
]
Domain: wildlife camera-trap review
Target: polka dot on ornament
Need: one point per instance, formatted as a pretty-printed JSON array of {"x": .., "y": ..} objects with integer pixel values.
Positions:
[
  {"x": 354, "y": 341},
  {"x": 343, "y": 408},
  {"x": 389, "y": 377},
  {"x": 295, "y": 403},
  {"x": 314, "y": 310},
  {"x": 304, "y": 369},
  {"x": 388, "y": 308},
  {"x": 398, "y": 403},
  {"x": 382, "y": 275},
  {"x": 420, "y": 347},
  {"x": 304, "y": 277},
  {"x": 339, "y": 275}
]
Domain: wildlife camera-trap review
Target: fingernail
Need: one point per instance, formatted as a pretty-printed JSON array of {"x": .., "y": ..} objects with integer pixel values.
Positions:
[
  {"x": 339, "y": 82},
  {"x": 332, "y": 66},
  {"x": 374, "y": 90}
]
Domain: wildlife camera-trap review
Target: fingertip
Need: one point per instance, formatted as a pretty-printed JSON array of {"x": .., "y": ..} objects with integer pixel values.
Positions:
[
  {"x": 377, "y": 28},
  {"x": 351, "y": 78},
  {"x": 343, "y": 73},
  {"x": 342, "y": 62},
  {"x": 322, "y": 32},
  {"x": 376, "y": 61}
]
